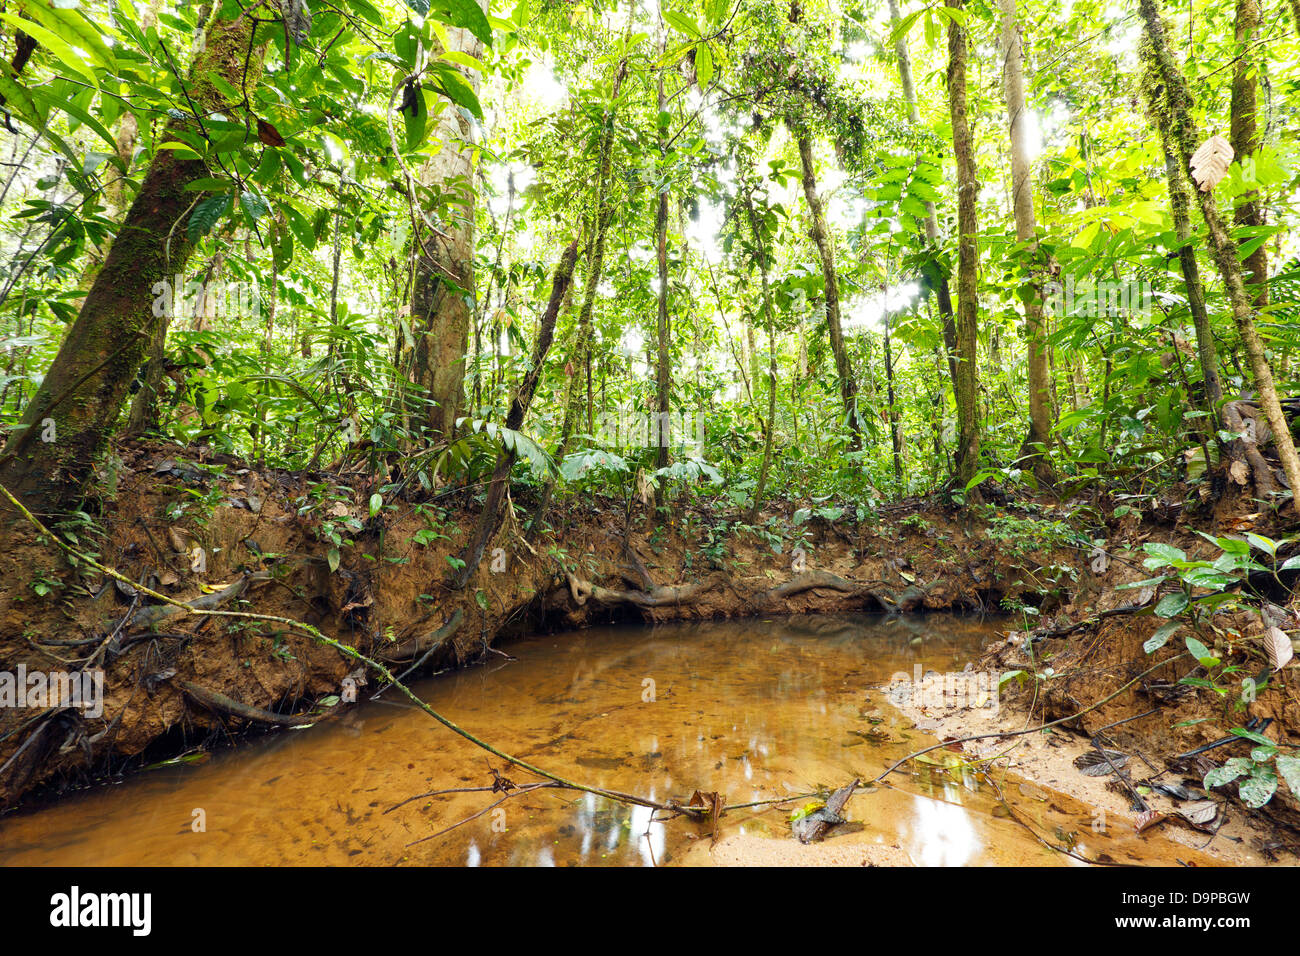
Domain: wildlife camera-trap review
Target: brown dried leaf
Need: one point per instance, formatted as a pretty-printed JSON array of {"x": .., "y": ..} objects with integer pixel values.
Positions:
[
  {"x": 1210, "y": 163},
  {"x": 1199, "y": 814},
  {"x": 268, "y": 134},
  {"x": 1145, "y": 821},
  {"x": 1279, "y": 648}
]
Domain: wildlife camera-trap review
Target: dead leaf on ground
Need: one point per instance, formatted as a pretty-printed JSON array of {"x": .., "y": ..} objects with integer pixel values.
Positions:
[{"x": 1094, "y": 764}]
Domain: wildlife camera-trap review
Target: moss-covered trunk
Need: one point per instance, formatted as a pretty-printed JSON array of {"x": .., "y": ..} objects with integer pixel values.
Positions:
[
  {"x": 821, "y": 236},
  {"x": 966, "y": 381},
  {"x": 1186, "y": 137},
  {"x": 65, "y": 429}
]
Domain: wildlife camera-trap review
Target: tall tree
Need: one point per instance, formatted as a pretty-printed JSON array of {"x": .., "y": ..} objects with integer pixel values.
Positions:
[
  {"x": 1245, "y": 139},
  {"x": 1022, "y": 196},
  {"x": 826, "y": 251},
  {"x": 940, "y": 280},
  {"x": 442, "y": 293},
  {"x": 966, "y": 381},
  {"x": 1185, "y": 135},
  {"x": 68, "y": 422}
]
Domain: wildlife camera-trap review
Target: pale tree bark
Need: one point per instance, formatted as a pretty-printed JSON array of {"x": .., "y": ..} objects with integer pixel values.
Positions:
[
  {"x": 52, "y": 452},
  {"x": 442, "y": 293},
  {"x": 1022, "y": 195},
  {"x": 821, "y": 236},
  {"x": 966, "y": 381},
  {"x": 1187, "y": 139}
]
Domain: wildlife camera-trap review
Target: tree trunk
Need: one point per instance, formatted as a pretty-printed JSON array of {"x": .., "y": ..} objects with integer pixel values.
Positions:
[
  {"x": 663, "y": 371},
  {"x": 1225, "y": 250},
  {"x": 442, "y": 292},
  {"x": 1206, "y": 348},
  {"x": 1246, "y": 141},
  {"x": 820, "y": 235},
  {"x": 580, "y": 354},
  {"x": 491, "y": 517},
  {"x": 1022, "y": 193},
  {"x": 53, "y": 451},
  {"x": 966, "y": 381}
]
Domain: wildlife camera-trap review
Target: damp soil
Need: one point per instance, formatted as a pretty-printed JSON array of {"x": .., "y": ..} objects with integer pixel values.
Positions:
[{"x": 759, "y": 709}]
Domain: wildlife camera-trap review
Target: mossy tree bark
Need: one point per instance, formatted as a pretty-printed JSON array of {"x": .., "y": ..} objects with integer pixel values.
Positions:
[
  {"x": 835, "y": 329},
  {"x": 66, "y": 427},
  {"x": 966, "y": 380},
  {"x": 1022, "y": 191},
  {"x": 1245, "y": 139},
  {"x": 1207, "y": 349},
  {"x": 1186, "y": 137}
]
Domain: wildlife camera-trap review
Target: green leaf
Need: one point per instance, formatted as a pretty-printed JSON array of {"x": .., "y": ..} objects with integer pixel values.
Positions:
[
  {"x": 376, "y": 502},
  {"x": 682, "y": 24},
  {"x": 1252, "y": 736},
  {"x": 56, "y": 46},
  {"x": 1233, "y": 768},
  {"x": 703, "y": 65},
  {"x": 457, "y": 13},
  {"x": 1289, "y": 768},
  {"x": 1263, "y": 543},
  {"x": 1200, "y": 652},
  {"x": 1258, "y": 789},
  {"x": 1172, "y": 604},
  {"x": 206, "y": 214},
  {"x": 454, "y": 85},
  {"x": 1160, "y": 637},
  {"x": 254, "y": 204},
  {"x": 333, "y": 558}
]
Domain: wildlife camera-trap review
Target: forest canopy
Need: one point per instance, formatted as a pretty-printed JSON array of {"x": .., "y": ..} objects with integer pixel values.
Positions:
[{"x": 728, "y": 249}]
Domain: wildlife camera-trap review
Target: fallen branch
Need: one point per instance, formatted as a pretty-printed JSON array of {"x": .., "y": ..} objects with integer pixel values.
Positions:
[{"x": 222, "y": 704}]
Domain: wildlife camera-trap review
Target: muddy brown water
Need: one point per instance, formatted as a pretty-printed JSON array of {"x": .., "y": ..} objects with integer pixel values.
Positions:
[{"x": 753, "y": 709}]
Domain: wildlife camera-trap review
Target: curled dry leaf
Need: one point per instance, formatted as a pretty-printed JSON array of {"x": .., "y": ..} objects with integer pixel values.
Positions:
[
  {"x": 1279, "y": 648},
  {"x": 1199, "y": 814},
  {"x": 1210, "y": 163},
  {"x": 1148, "y": 819}
]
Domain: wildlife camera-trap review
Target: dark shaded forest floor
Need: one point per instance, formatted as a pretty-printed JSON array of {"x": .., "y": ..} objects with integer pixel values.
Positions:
[{"x": 228, "y": 535}]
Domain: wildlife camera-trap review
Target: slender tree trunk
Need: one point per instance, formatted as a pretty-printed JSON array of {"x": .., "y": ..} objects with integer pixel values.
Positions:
[
  {"x": 663, "y": 370},
  {"x": 579, "y": 357},
  {"x": 821, "y": 236},
  {"x": 895, "y": 438},
  {"x": 1206, "y": 349},
  {"x": 967, "y": 378},
  {"x": 770, "y": 429},
  {"x": 491, "y": 516},
  {"x": 1187, "y": 139},
  {"x": 1246, "y": 141},
  {"x": 1022, "y": 193},
  {"x": 442, "y": 293},
  {"x": 54, "y": 449}
]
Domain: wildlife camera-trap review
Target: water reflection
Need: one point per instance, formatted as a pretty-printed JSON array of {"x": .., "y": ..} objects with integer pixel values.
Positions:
[{"x": 753, "y": 709}]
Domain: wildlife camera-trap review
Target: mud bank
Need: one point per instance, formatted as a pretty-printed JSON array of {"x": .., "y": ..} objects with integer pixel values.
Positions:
[{"x": 375, "y": 572}]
